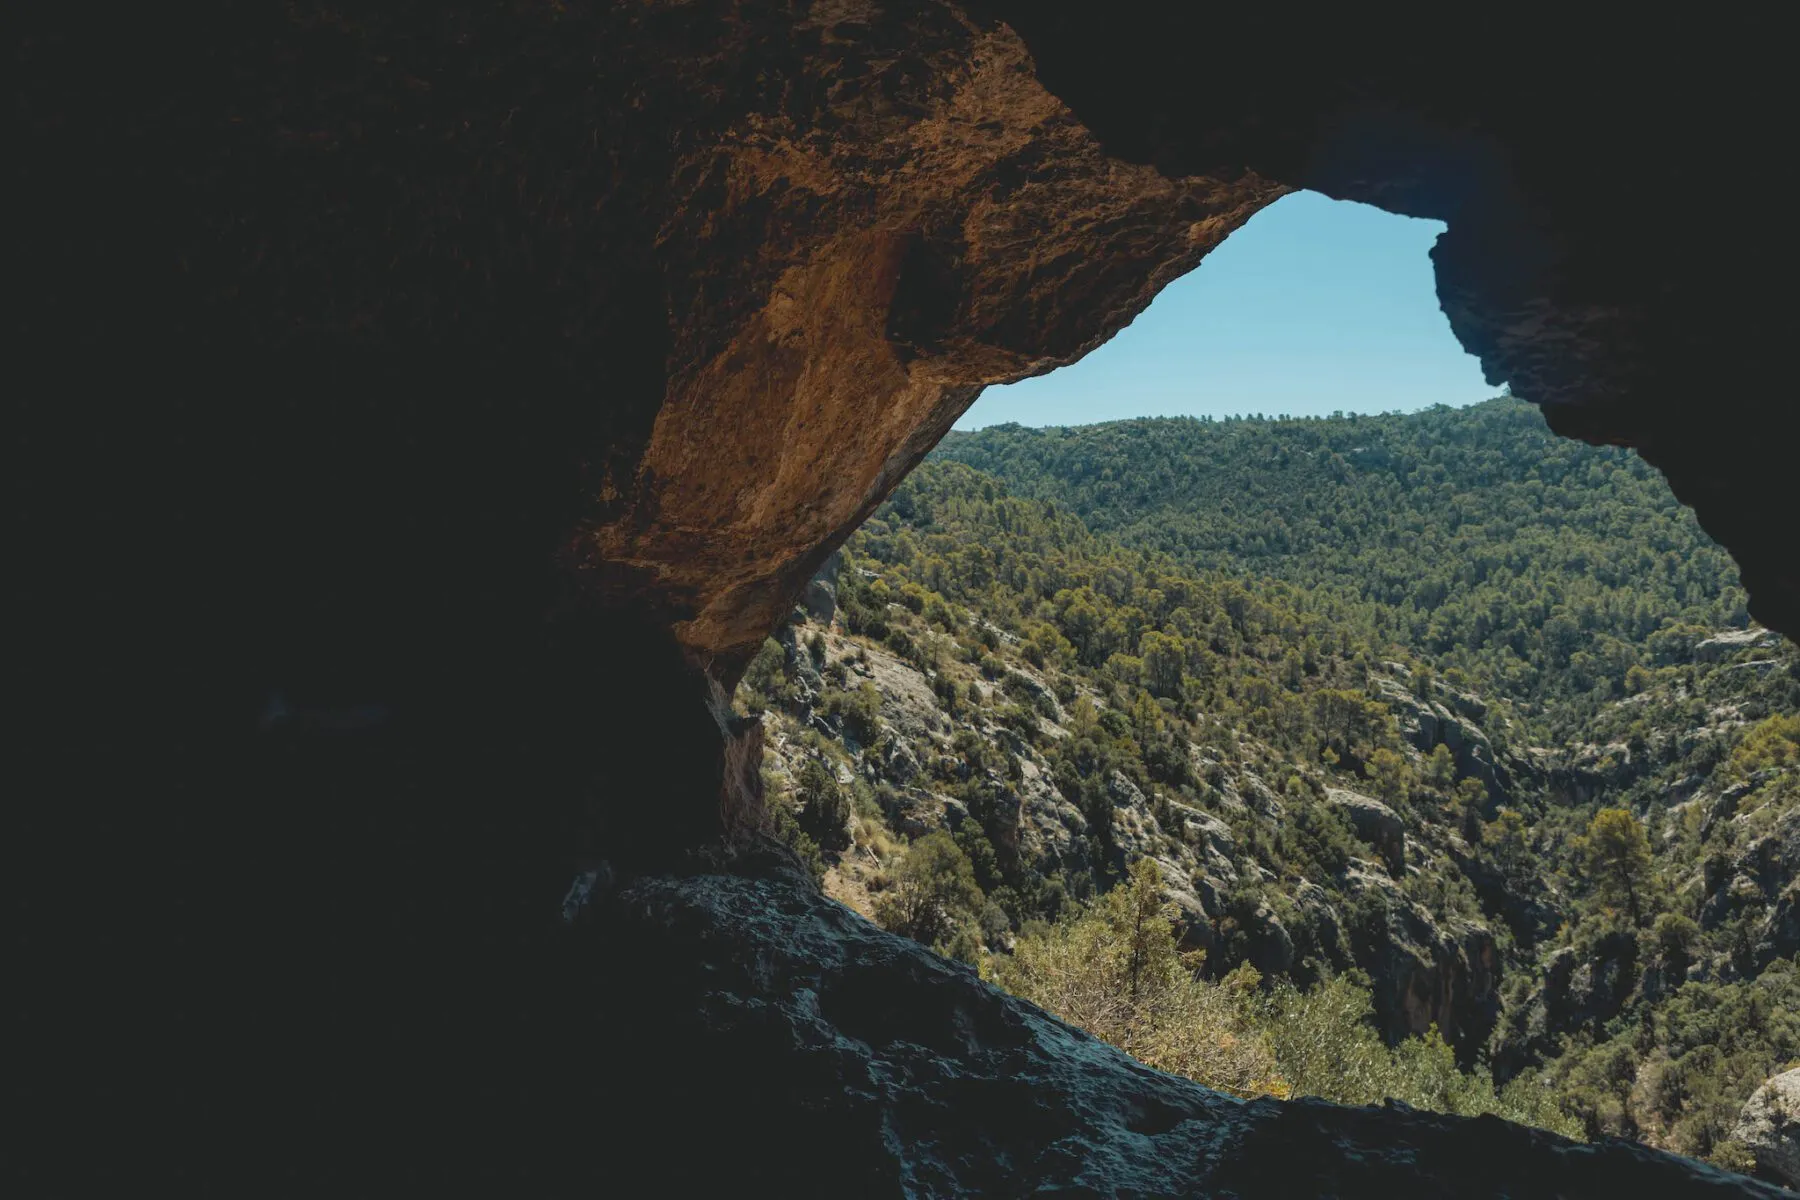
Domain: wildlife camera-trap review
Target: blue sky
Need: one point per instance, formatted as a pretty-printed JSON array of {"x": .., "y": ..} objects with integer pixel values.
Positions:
[{"x": 1314, "y": 305}]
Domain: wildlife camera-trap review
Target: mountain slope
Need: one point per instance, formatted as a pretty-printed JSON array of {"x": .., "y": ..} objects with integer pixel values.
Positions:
[
  {"x": 1541, "y": 567},
  {"x": 994, "y": 718}
]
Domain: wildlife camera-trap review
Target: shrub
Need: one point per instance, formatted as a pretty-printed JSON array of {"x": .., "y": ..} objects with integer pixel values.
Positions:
[
  {"x": 860, "y": 711},
  {"x": 1115, "y": 971},
  {"x": 934, "y": 896},
  {"x": 824, "y": 810}
]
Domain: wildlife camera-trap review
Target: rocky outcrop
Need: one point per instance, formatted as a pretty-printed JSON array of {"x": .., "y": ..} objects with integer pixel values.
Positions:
[
  {"x": 1376, "y": 824},
  {"x": 1770, "y": 1128},
  {"x": 820, "y": 596},
  {"x": 839, "y": 1060},
  {"x": 1530, "y": 910},
  {"x": 1761, "y": 878},
  {"x": 1426, "y": 724},
  {"x": 1728, "y": 642},
  {"x": 1424, "y": 973},
  {"x": 1583, "y": 988}
]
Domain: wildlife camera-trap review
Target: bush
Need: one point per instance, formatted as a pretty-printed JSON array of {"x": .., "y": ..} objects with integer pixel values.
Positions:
[
  {"x": 1327, "y": 1046},
  {"x": 860, "y": 711},
  {"x": 766, "y": 677},
  {"x": 824, "y": 810},
  {"x": 934, "y": 898},
  {"x": 788, "y": 830},
  {"x": 1115, "y": 971}
]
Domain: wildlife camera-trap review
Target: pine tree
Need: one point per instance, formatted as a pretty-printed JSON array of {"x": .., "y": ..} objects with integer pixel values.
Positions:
[{"x": 1618, "y": 856}]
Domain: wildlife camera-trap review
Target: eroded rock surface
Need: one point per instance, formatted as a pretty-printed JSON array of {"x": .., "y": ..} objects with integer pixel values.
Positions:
[
  {"x": 1770, "y": 1127},
  {"x": 825, "y": 1057},
  {"x": 1376, "y": 824}
]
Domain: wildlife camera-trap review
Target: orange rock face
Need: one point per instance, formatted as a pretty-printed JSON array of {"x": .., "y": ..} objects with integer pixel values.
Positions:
[{"x": 961, "y": 229}]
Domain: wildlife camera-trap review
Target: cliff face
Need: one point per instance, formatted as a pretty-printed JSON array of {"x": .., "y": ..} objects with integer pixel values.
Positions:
[{"x": 437, "y": 364}]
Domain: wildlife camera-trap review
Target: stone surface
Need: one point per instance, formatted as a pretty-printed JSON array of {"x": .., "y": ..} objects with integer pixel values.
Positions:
[
  {"x": 1770, "y": 1127},
  {"x": 1376, "y": 824},
  {"x": 820, "y": 596},
  {"x": 825, "y": 1057},
  {"x": 1425, "y": 973}
]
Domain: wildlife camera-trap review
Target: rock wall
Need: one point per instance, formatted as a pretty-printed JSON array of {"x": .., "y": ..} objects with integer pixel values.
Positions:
[{"x": 1769, "y": 1127}]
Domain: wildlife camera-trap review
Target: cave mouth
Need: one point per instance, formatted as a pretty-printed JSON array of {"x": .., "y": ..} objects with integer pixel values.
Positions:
[{"x": 1313, "y": 306}]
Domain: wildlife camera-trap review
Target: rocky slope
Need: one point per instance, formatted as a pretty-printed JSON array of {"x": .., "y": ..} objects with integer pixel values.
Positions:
[
  {"x": 1430, "y": 969},
  {"x": 1466, "y": 902},
  {"x": 821, "y": 1056}
]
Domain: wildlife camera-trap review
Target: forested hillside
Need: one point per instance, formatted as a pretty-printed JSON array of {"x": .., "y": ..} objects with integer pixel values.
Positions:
[
  {"x": 1542, "y": 567},
  {"x": 1291, "y": 782}
]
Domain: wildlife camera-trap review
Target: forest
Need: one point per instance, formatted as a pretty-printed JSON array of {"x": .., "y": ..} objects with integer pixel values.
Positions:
[{"x": 1429, "y": 757}]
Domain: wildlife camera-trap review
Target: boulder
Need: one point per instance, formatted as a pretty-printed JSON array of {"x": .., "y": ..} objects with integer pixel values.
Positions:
[
  {"x": 1123, "y": 792},
  {"x": 1769, "y": 1127},
  {"x": 1379, "y": 826},
  {"x": 820, "y": 596},
  {"x": 1051, "y": 828},
  {"x": 1728, "y": 642},
  {"x": 1271, "y": 948},
  {"x": 898, "y": 764},
  {"x": 1193, "y": 923}
]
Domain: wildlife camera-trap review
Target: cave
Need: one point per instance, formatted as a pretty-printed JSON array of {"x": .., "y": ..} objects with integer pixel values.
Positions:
[{"x": 421, "y": 415}]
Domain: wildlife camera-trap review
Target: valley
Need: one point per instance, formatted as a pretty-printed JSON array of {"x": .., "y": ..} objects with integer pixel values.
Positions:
[{"x": 1429, "y": 757}]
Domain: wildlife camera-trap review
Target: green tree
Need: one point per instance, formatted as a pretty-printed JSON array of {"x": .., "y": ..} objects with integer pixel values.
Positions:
[
  {"x": 1618, "y": 859},
  {"x": 1115, "y": 970},
  {"x": 934, "y": 897},
  {"x": 1390, "y": 774},
  {"x": 1440, "y": 768},
  {"x": 824, "y": 809},
  {"x": 766, "y": 675},
  {"x": 1676, "y": 938},
  {"x": 1509, "y": 842},
  {"x": 1163, "y": 658},
  {"x": 860, "y": 711}
]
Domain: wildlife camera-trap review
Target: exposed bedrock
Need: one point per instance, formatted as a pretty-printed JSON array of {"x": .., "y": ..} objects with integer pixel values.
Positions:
[
  {"x": 413, "y": 399},
  {"x": 814, "y": 1055}
]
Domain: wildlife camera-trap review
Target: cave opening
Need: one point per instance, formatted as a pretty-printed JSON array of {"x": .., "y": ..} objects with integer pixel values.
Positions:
[
  {"x": 885, "y": 579},
  {"x": 1313, "y": 306}
]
